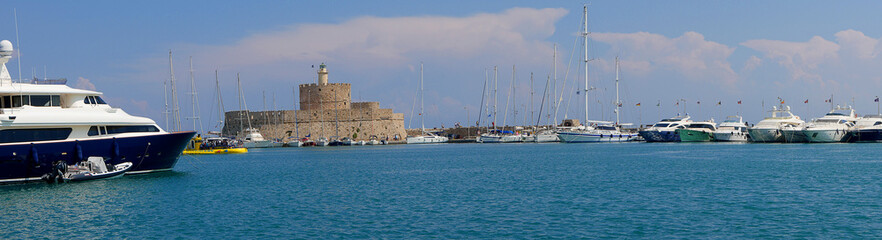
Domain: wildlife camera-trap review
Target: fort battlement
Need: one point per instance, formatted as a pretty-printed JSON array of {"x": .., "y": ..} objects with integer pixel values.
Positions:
[{"x": 326, "y": 110}]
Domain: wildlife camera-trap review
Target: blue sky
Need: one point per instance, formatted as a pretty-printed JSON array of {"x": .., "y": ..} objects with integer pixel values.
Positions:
[{"x": 708, "y": 51}]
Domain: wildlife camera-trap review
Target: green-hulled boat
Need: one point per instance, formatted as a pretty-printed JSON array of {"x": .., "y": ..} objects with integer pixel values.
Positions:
[{"x": 698, "y": 132}]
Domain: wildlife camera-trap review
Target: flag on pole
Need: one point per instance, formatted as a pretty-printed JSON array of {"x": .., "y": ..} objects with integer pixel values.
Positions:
[
  {"x": 638, "y": 104},
  {"x": 678, "y": 104},
  {"x": 806, "y": 101},
  {"x": 720, "y": 103},
  {"x": 877, "y": 99},
  {"x": 828, "y": 100},
  {"x": 658, "y": 104},
  {"x": 699, "y": 102},
  {"x": 739, "y": 101}
]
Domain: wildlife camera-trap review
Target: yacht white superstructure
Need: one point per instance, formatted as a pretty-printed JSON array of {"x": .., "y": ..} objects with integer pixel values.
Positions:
[
  {"x": 733, "y": 129},
  {"x": 54, "y": 123},
  {"x": 834, "y": 126},
  {"x": 771, "y": 128}
]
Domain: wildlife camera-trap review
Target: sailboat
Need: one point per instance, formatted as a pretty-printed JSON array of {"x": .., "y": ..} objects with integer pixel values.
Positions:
[
  {"x": 601, "y": 131},
  {"x": 425, "y": 137},
  {"x": 214, "y": 144},
  {"x": 252, "y": 136},
  {"x": 502, "y": 135},
  {"x": 546, "y": 135}
]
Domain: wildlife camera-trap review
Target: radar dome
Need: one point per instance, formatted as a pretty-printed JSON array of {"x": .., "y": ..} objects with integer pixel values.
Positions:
[{"x": 5, "y": 46}]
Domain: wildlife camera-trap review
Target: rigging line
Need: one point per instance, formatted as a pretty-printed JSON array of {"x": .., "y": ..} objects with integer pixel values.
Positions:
[{"x": 566, "y": 77}]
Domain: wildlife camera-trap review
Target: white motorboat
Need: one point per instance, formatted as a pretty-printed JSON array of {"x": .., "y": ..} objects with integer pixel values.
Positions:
[
  {"x": 294, "y": 142},
  {"x": 832, "y": 127},
  {"x": 253, "y": 139},
  {"x": 546, "y": 136},
  {"x": 733, "y": 129},
  {"x": 603, "y": 132},
  {"x": 500, "y": 136},
  {"x": 770, "y": 129},
  {"x": 322, "y": 142}
]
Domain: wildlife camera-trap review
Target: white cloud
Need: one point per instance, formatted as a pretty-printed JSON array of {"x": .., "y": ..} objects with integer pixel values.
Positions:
[
  {"x": 84, "y": 83},
  {"x": 855, "y": 43},
  {"x": 516, "y": 33},
  {"x": 752, "y": 63},
  {"x": 690, "y": 55},
  {"x": 800, "y": 58}
]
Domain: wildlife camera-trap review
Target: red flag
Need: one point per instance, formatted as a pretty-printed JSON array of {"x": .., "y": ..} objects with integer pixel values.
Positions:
[
  {"x": 739, "y": 101},
  {"x": 806, "y": 101},
  {"x": 638, "y": 104}
]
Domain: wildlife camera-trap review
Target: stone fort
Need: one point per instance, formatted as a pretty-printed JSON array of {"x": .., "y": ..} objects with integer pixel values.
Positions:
[{"x": 326, "y": 110}]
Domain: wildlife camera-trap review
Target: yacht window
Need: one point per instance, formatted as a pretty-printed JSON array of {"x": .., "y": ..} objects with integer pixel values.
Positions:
[
  {"x": 18, "y": 101},
  {"x": 611, "y": 128},
  {"x": 127, "y": 129},
  {"x": 877, "y": 123},
  {"x": 32, "y": 135},
  {"x": 88, "y": 100},
  {"x": 98, "y": 100},
  {"x": 41, "y": 101},
  {"x": 93, "y": 131},
  {"x": 661, "y": 125},
  {"x": 708, "y": 126},
  {"x": 56, "y": 100},
  {"x": 103, "y": 130}
]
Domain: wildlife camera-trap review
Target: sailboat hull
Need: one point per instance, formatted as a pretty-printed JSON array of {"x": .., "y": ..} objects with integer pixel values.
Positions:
[{"x": 575, "y": 137}]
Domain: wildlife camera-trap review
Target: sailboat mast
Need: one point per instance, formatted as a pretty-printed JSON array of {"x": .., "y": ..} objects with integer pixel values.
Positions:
[
  {"x": 193, "y": 99},
  {"x": 585, "y": 36},
  {"x": 176, "y": 108},
  {"x": 495, "y": 93},
  {"x": 422, "y": 98},
  {"x": 531, "y": 100},
  {"x": 483, "y": 96},
  {"x": 220, "y": 100},
  {"x": 165, "y": 97},
  {"x": 618, "y": 104},
  {"x": 508, "y": 100},
  {"x": 296, "y": 130},
  {"x": 553, "y": 85}
]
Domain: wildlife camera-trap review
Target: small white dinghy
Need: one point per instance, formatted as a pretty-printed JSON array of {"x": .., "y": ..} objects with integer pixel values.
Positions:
[{"x": 95, "y": 168}]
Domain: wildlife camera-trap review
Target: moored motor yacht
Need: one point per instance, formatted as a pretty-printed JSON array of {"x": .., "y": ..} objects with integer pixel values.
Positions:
[
  {"x": 698, "y": 132},
  {"x": 867, "y": 129},
  {"x": 42, "y": 124},
  {"x": 253, "y": 139},
  {"x": 770, "y": 129},
  {"x": 832, "y": 127},
  {"x": 665, "y": 130},
  {"x": 733, "y": 129}
]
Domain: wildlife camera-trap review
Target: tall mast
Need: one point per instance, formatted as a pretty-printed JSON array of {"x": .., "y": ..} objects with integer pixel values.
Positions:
[
  {"x": 553, "y": 85},
  {"x": 165, "y": 98},
  {"x": 193, "y": 99},
  {"x": 422, "y": 98},
  {"x": 495, "y": 93},
  {"x": 483, "y": 96},
  {"x": 531, "y": 99},
  {"x": 296, "y": 130},
  {"x": 618, "y": 103},
  {"x": 176, "y": 111},
  {"x": 585, "y": 36},
  {"x": 220, "y": 100},
  {"x": 507, "y": 99},
  {"x": 514, "y": 92}
]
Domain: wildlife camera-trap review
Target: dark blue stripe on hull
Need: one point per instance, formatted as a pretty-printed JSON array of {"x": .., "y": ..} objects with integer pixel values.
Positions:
[
  {"x": 35, "y": 159},
  {"x": 660, "y": 136},
  {"x": 867, "y": 135}
]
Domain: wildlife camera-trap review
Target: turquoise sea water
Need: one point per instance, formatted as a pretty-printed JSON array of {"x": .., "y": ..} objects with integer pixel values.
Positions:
[{"x": 650, "y": 190}]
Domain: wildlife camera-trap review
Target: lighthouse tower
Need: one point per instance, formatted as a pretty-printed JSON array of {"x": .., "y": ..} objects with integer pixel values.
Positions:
[{"x": 323, "y": 74}]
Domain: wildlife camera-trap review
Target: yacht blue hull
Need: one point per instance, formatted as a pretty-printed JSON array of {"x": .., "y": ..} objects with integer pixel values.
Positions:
[
  {"x": 660, "y": 136},
  {"x": 30, "y": 161},
  {"x": 867, "y": 135}
]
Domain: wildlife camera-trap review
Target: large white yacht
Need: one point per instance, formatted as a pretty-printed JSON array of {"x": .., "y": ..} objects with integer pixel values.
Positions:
[
  {"x": 733, "y": 129},
  {"x": 770, "y": 128},
  {"x": 867, "y": 129},
  {"x": 44, "y": 126},
  {"x": 665, "y": 130},
  {"x": 832, "y": 127}
]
